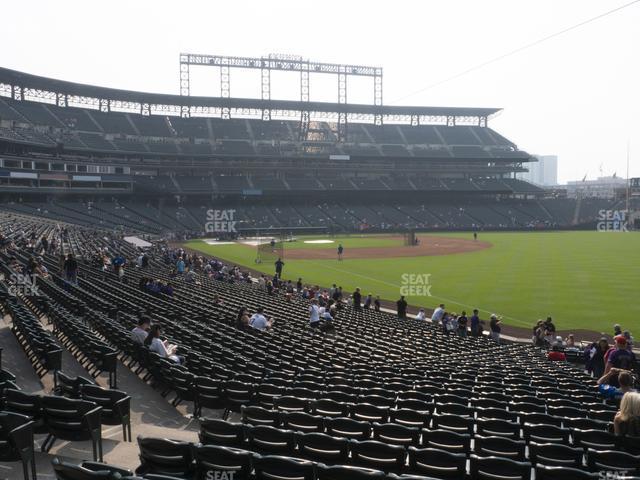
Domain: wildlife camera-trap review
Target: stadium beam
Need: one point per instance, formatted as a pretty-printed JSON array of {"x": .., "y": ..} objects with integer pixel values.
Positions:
[{"x": 287, "y": 63}]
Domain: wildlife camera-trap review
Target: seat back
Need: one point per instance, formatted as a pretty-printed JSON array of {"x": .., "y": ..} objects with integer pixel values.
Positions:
[
  {"x": 215, "y": 458},
  {"x": 164, "y": 457},
  {"x": 65, "y": 417},
  {"x": 612, "y": 460},
  {"x": 273, "y": 467},
  {"x": 323, "y": 448},
  {"x": 446, "y": 440},
  {"x": 545, "y": 434},
  {"x": 490, "y": 468},
  {"x": 348, "y": 428},
  {"x": 563, "y": 473},
  {"x": 270, "y": 440},
  {"x": 68, "y": 471},
  {"x": 438, "y": 463},
  {"x": 260, "y": 416},
  {"x": 500, "y": 428},
  {"x": 499, "y": 447},
  {"x": 554, "y": 454},
  {"x": 23, "y": 403},
  {"x": 109, "y": 399},
  {"x": 378, "y": 455},
  {"x": 395, "y": 434},
  {"x": 344, "y": 472},
  {"x": 208, "y": 392},
  {"x": 214, "y": 431},
  {"x": 594, "y": 439}
]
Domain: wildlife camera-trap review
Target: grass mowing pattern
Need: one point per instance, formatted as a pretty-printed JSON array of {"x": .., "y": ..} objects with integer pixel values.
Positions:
[{"x": 585, "y": 280}]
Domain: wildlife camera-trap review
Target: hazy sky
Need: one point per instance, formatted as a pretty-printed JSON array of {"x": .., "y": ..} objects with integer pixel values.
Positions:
[{"x": 577, "y": 95}]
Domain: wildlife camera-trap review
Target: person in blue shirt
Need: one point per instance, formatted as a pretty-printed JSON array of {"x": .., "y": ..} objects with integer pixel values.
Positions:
[
  {"x": 616, "y": 383},
  {"x": 475, "y": 324},
  {"x": 180, "y": 266}
]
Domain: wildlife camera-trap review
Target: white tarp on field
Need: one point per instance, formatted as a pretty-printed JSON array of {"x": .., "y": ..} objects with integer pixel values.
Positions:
[
  {"x": 210, "y": 241},
  {"x": 255, "y": 241}
]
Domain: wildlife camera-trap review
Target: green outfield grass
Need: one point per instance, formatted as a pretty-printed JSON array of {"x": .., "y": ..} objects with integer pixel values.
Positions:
[{"x": 585, "y": 280}]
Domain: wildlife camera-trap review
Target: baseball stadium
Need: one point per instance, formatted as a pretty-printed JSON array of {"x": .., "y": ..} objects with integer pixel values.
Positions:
[{"x": 215, "y": 287}]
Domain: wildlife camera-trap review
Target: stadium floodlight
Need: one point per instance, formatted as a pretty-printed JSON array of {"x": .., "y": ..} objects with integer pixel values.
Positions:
[{"x": 282, "y": 62}]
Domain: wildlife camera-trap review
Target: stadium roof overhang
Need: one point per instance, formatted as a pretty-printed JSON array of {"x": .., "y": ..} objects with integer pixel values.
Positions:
[{"x": 19, "y": 84}]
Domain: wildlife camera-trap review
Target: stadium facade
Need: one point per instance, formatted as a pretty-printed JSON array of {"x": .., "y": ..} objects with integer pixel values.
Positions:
[{"x": 157, "y": 162}]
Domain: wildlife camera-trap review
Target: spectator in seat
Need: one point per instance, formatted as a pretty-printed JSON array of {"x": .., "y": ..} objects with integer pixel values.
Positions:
[
  {"x": 438, "y": 314},
  {"x": 629, "y": 338},
  {"x": 495, "y": 326},
  {"x": 376, "y": 304},
  {"x": 259, "y": 321},
  {"x": 161, "y": 347},
  {"x": 462, "y": 324},
  {"x": 625, "y": 382},
  {"x": 314, "y": 314},
  {"x": 627, "y": 420},
  {"x": 556, "y": 354},
  {"x": 549, "y": 326},
  {"x": 539, "y": 334},
  {"x": 617, "y": 330},
  {"x": 279, "y": 265},
  {"x": 242, "y": 319},
  {"x": 570, "y": 341},
  {"x": 168, "y": 289},
  {"x": 180, "y": 266},
  {"x": 619, "y": 357},
  {"x": 449, "y": 322},
  {"x": 191, "y": 276},
  {"x": 70, "y": 268},
  {"x": 476, "y": 329},
  {"x": 357, "y": 300},
  {"x": 141, "y": 331},
  {"x": 402, "y": 308},
  {"x": 596, "y": 362},
  {"x": 368, "y": 301},
  {"x": 421, "y": 315}
]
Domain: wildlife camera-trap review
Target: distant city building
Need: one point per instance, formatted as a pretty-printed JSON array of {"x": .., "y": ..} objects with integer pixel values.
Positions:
[
  {"x": 602, "y": 187},
  {"x": 544, "y": 172}
]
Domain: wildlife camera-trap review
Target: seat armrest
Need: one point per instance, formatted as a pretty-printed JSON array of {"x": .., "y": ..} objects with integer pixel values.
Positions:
[
  {"x": 123, "y": 406},
  {"x": 92, "y": 418},
  {"x": 22, "y": 439}
]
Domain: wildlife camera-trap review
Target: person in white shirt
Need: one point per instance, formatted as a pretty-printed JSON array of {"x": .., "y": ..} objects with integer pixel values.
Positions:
[
  {"x": 437, "y": 315},
  {"x": 161, "y": 347},
  {"x": 421, "y": 315},
  {"x": 314, "y": 313},
  {"x": 259, "y": 321},
  {"x": 139, "y": 334}
]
